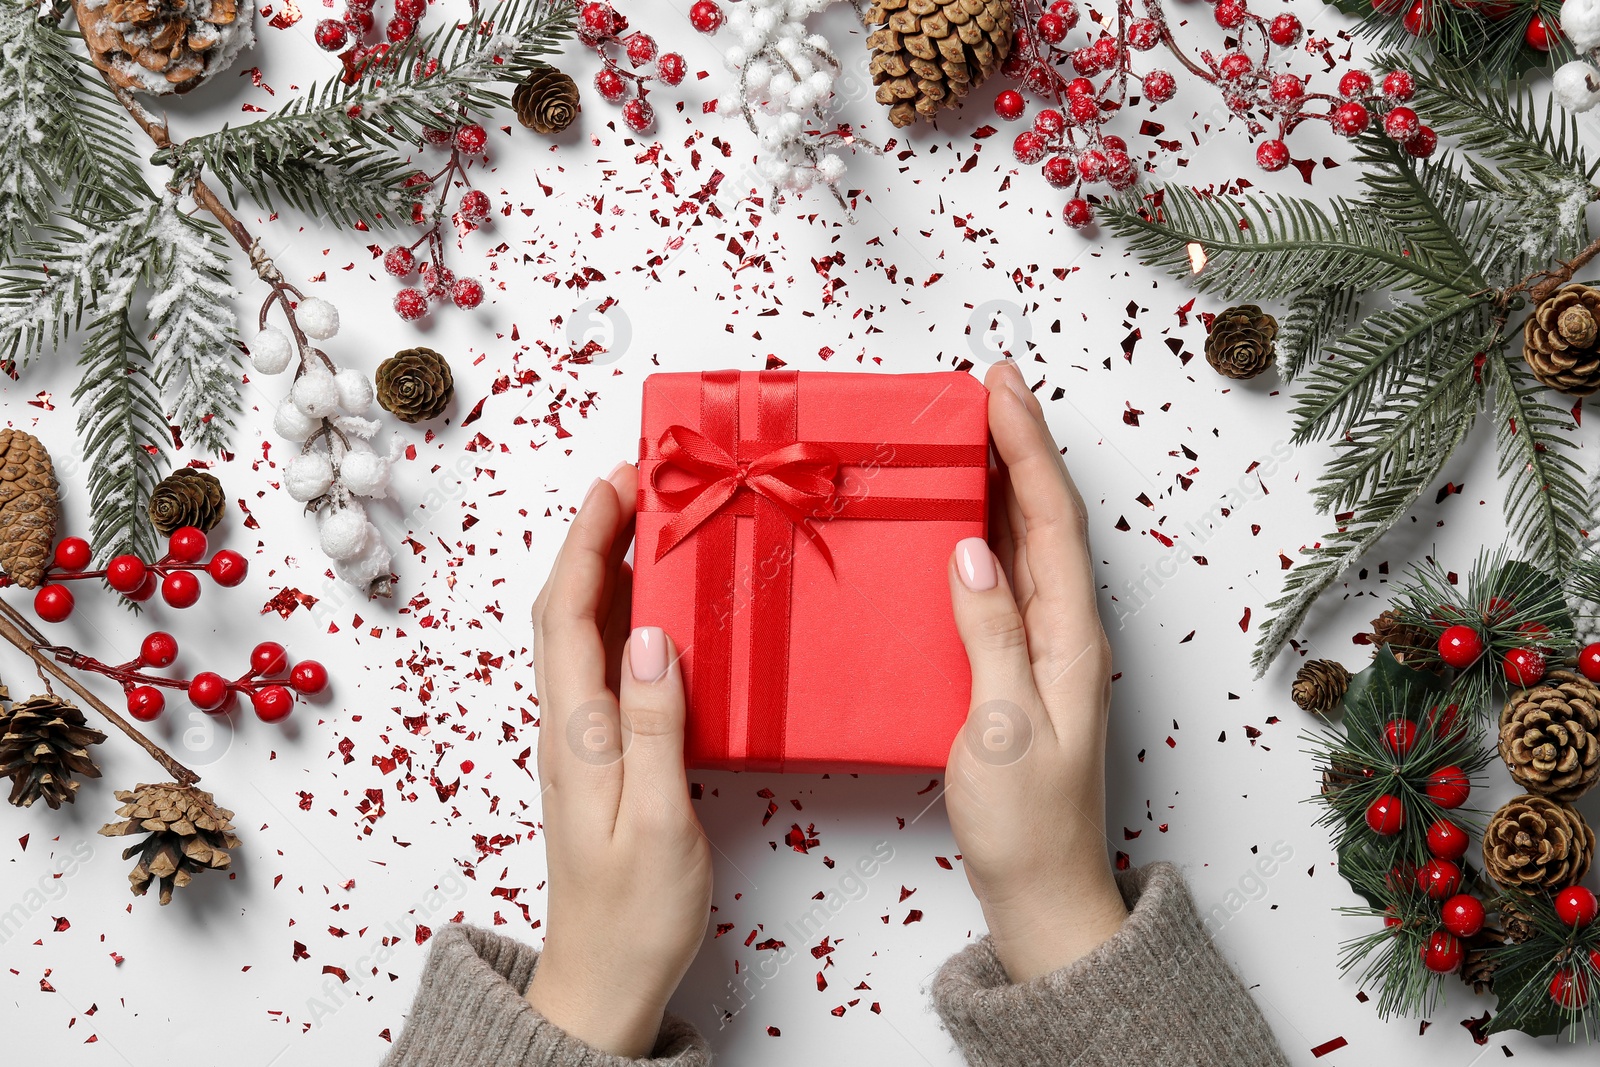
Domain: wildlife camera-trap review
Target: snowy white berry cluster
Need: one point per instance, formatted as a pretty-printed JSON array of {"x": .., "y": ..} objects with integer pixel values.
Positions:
[
  {"x": 786, "y": 81},
  {"x": 325, "y": 413},
  {"x": 1577, "y": 83}
]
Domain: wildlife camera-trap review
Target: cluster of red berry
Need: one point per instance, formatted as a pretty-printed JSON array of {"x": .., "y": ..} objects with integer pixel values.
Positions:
[
  {"x": 358, "y": 22},
  {"x": 1576, "y": 907},
  {"x": 173, "y": 574},
  {"x": 604, "y": 29},
  {"x": 271, "y": 682},
  {"x": 1418, "y": 19},
  {"x": 1068, "y": 139},
  {"x": 1460, "y": 646}
]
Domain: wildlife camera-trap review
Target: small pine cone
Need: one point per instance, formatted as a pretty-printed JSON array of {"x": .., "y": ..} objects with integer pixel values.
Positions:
[
  {"x": 1478, "y": 963},
  {"x": 929, "y": 54},
  {"x": 164, "y": 46},
  {"x": 1320, "y": 686},
  {"x": 188, "y": 834},
  {"x": 1533, "y": 842},
  {"x": 1517, "y": 925},
  {"x": 1408, "y": 643},
  {"x": 187, "y": 497},
  {"x": 44, "y": 744},
  {"x": 415, "y": 385},
  {"x": 1561, "y": 341},
  {"x": 1242, "y": 342},
  {"x": 1336, "y": 776},
  {"x": 546, "y": 101},
  {"x": 1550, "y": 736},
  {"x": 30, "y": 507}
]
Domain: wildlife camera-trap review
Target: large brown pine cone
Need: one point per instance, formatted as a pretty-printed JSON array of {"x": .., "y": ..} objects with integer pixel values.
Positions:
[
  {"x": 30, "y": 507},
  {"x": 187, "y": 497},
  {"x": 1320, "y": 686},
  {"x": 164, "y": 46},
  {"x": 1242, "y": 342},
  {"x": 1561, "y": 341},
  {"x": 928, "y": 54},
  {"x": 1550, "y": 736},
  {"x": 1533, "y": 842},
  {"x": 188, "y": 834},
  {"x": 546, "y": 101},
  {"x": 44, "y": 742},
  {"x": 415, "y": 385}
]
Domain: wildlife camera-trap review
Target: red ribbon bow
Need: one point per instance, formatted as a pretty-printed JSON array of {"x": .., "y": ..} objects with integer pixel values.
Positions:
[{"x": 798, "y": 478}]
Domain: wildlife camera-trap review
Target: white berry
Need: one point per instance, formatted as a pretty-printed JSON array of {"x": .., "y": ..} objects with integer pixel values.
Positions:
[
  {"x": 270, "y": 351},
  {"x": 291, "y": 424},
  {"x": 318, "y": 318},
  {"x": 368, "y": 564},
  {"x": 343, "y": 531},
  {"x": 315, "y": 393},
  {"x": 355, "y": 391},
  {"x": 1577, "y": 86},
  {"x": 365, "y": 473},
  {"x": 308, "y": 476}
]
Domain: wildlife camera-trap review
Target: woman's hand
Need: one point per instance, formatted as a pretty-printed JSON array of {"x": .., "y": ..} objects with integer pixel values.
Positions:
[
  {"x": 1026, "y": 780},
  {"x": 630, "y": 868}
]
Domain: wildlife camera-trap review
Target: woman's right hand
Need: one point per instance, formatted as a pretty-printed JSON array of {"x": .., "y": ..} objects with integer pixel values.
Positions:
[{"x": 1026, "y": 777}]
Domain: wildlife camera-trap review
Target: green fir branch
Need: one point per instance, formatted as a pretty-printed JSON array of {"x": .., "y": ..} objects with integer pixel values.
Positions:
[
  {"x": 1427, "y": 201},
  {"x": 1315, "y": 316}
]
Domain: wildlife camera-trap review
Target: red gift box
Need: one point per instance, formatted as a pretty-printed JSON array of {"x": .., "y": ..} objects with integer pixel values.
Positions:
[{"x": 792, "y": 539}]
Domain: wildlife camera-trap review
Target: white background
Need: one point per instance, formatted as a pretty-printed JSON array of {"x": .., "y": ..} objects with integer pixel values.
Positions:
[{"x": 214, "y": 977}]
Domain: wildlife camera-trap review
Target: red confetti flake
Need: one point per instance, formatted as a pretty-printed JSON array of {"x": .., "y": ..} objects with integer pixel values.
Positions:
[
  {"x": 941, "y": 861},
  {"x": 1475, "y": 1027},
  {"x": 300, "y": 952},
  {"x": 1244, "y": 623},
  {"x": 286, "y": 600},
  {"x": 43, "y": 400},
  {"x": 773, "y": 1031},
  {"x": 912, "y": 916},
  {"x": 62, "y": 925},
  {"x": 1329, "y": 1046},
  {"x": 287, "y": 16}
]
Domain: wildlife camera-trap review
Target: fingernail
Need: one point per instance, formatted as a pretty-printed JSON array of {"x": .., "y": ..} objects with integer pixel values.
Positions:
[
  {"x": 589, "y": 495},
  {"x": 1018, "y": 386},
  {"x": 976, "y": 564},
  {"x": 647, "y": 654},
  {"x": 616, "y": 471}
]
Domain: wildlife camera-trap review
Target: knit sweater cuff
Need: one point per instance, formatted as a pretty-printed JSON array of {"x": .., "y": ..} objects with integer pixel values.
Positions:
[
  {"x": 1156, "y": 993},
  {"x": 470, "y": 1011}
]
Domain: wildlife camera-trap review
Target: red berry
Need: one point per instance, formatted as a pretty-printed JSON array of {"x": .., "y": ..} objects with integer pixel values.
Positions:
[
  {"x": 1235, "y": 65},
  {"x": 411, "y": 9},
  {"x": 641, "y": 49},
  {"x": 1399, "y": 86},
  {"x": 1423, "y": 143},
  {"x": 1080, "y": 87},
  {"x": 359, "y": 22},
  {"x": 1440, "y": 879},
  {"x": 145, "y": 702},
  {"x": 1538, "y": 36},
  {"x": 209, "y": 691},
  {"x": 187, "y": 544},
  {"x": 1028, "y": 147},
  {"x": 126, "y": 573},
  {"x": 436, "y": 137},
  {"x": 1443, "y": 952},
  {"x": 1229, "y": 13},
  {"x": 1272, "y": 155},
  {"x": 309, "y": 677},
  {"x": 1041, "y": 79},
  {"x": 1060, "y": 171},
  {"x": 1418, "y": 20},
  {"x": 410, "y": 304},
  {"x": 1570, "y": 988},
  {"x": 609, "y": 84},
  {"x": 1459, "y": 646},
  {"x": 1108, "y": 50},
  {"x": 1447, "y": 841},
  {"x": 1287, "y": 88},
  {"x": 1120, "y": 171},
  {"x": 53, "y": 603},
  {"x": 1523, "y": 666},
  {"x": 227, "y": 568},
  {"x": 1144, "y": 34},
  {"x": 1083, "y": 109},
  {"x": 1159, "y": 86},
  {"x": 1092, "y": 165},
  {"x": 269, "y": 657},
  {"x": 1589, "y": 662},
  {"x": 471, "y": 139},
  {"x": 1052, "y": 28},
  {"x": 1049, "y": 122},
  {"x": 638, "y": 114},
  {"x": 671, "y": 68},
  {"x": 331, "y": 35},
  {"x": 73, "y": 554},
  {"x": 272, "y": 704},
  {"x": 146, "y": 590},
  {"x": 437, "y": 280},
  {"x": 475, "y": 205},
  {"x": 1449, "y": 787},
  {"x": 1443, "y": 723},
  {"x": 1576, "y": 906},
  {"x": 1463, "y": 915},
  {"x": 1086, "y": 61},
  {"x": 1399, "y": 735},
  {"x": 158, "y": 649},
  {"x": 1401, "y": 124},
  {"x": 399, "y": 262},
  {"x": 181, "y": 589},
  {"x": 399, "y": 29},
  {"x": 1009, "y": 105},
  {"x": 1355, "y": 83},
  {"x": 1076, "y": 213},
  {"x": 1285, "y": 31},
  {"x": 1390, "y": 919},
  {"x": 705, "y": 16},
  {"x": 1350, "y": 118},
  {"x": 1112, "y": 143},
  {"x": 1385, "y": 816},
  {"x": 467, "y": 292},
  {"x": 598, "y": 20},
  {"x": 1388, "y": 7}
]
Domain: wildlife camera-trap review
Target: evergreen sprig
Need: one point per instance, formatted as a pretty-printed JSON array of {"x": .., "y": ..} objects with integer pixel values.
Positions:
[
  {"x": 1524, "y": 971},
  {"x": 1484, "y": 41},
  {"x": 1389, "y": 957}
]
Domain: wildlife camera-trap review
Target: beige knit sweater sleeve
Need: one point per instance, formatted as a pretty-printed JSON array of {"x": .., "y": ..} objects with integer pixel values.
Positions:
[{"x": 1157, "y": 994}]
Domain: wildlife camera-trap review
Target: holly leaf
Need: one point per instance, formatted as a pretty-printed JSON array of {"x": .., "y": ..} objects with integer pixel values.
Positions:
[
  {"x": 1525, "y": 1002},
  {"x": 1360, "y": 866},
  {"x": 1386, "y": 675}
]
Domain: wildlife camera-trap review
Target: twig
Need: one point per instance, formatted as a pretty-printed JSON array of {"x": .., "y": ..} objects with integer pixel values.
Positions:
[
  {"x": 1555, "y": 279},
  {"x": 17, "y": 630}
]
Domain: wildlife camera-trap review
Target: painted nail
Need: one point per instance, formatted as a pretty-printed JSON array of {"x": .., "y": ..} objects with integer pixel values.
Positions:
[
  {"x": 647, "y": 654},
  {"x": 976, "y": 564}
]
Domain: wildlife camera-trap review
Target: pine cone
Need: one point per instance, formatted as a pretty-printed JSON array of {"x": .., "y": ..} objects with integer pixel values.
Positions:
[
  {"x": 1550, "y": 736},
  {"x": 187, "y": 497},
  {"x": 546, "y": 101},
  {"x": 1561, "y": 341},
  {"x": 928, "y": 54},
  {"x": 415, "y": 385},
  {"x": 45, "y": 741},
  {"x": 1518, "y": 926},
  {"x": 30, "y": 507},
  {"x": 1337, "y": 776},
  {"x": 1408, "y": 643},
  {"x": 1536, "y": 843},
  {"x": 188, "y": 834},
  {"x": 164, "y": 46},
  {"x": 1242, "y": 342},
  {"x": 1320, "y": 685},
  {"x": 1478, "y": 963}
]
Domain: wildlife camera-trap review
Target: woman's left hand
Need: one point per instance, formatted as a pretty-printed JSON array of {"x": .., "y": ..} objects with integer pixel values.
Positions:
[{"x": 630, "y": 867}]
